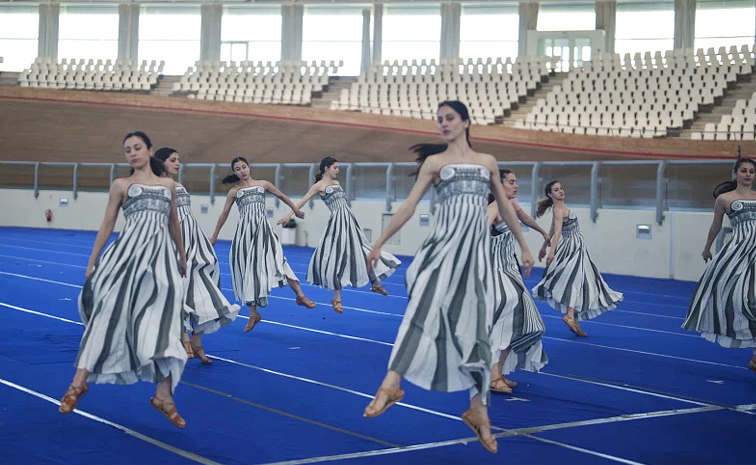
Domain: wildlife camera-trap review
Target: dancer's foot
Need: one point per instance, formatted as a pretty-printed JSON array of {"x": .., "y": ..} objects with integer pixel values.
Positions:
[
  {"x": 337, "y": 307},
  {"x": 384, "y": 398},
  {"x": 482, "y": 428},
  {"x": 168, "y": 408},
  {"x": 71, "y": 398},
  {"x": 188, "y": 346},
  {"x": 498, "y": 385},
  {"x": 253, "y": 320},
  {"x": 574, "y": 326},
  {"x": 378, "y": 289},
  {"x": 199, "y": 351},
  {"x": 305, "y": 302},
  {"x": 752, "y": 364},
  {"x": 509, "y": 382}
]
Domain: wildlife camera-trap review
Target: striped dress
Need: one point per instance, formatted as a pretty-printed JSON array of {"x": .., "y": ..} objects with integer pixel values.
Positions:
[
  {"x": 573, "y": 280},
  {"x": 206, "y": 308},
  {"x": 723, "y": 308},
  {"x": 256, "y": 257},
  {"x": 517, "y": 322},
  {"x": 131, "y": 303},
  {"x": 443, "y": 343},
  {"x": 340, "y": 258}
]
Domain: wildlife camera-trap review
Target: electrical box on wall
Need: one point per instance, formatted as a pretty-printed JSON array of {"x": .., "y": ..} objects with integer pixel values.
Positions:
[
  {"x": 203, "y": 208},
  {"x": 643, "y": 231},
  {"x": 424, "y": 219},
  {"x": 63, "y": 203},
  {"x": 269, "y": 212}
]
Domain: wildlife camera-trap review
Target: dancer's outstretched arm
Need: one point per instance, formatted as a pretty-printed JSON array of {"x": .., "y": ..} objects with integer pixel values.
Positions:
[
  {"x": 115, "y": 199},
  {"x": 230, "y": 199},
  {"x": 528, "y": 221},
  {"x": 508, "y": 214},
  {"x": 716, "y": 226},
  {"x": 268, "y": 186},
  {"x": 310, "y": 193},
  {"x": 405, "y": 211}
]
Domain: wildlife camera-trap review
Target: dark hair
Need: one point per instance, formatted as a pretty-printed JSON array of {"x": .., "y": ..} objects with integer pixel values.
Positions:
[
  {"x": 729, "y": 186},
  {"x": 423, "y": 151},
  {"x": 156, "y": 165},
  {"x": 545, "y": 204},
  {"x": 233, "y": 178},
  {"x": 502, "y": 173},
  {"x": 324, "y": 163},
  {"x": 164, "y": 153}
]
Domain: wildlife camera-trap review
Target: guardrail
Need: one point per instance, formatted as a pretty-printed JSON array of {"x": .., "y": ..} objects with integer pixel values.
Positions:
[{"x": 391, "y": 181}]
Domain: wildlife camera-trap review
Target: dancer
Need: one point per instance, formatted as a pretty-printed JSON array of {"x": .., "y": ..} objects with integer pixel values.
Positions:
[
  {"x": 256, "y": 257},
  {"x": 571, "y": 282},
  {"x": 339, "y": 259},
  {"x": 206, "y": 308},
  {"x": 131, "y": 301},
  {"x": 443, "y": 343},
  {"x": 723, "y": 308},
  {"x": 517, "y": 323}
]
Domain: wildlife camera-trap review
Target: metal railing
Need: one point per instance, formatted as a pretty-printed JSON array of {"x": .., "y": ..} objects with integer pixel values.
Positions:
[{"x": 585, "y": 180}]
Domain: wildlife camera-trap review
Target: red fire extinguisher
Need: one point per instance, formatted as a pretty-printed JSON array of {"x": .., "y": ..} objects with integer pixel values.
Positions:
[{"x": 48, "y": 215}]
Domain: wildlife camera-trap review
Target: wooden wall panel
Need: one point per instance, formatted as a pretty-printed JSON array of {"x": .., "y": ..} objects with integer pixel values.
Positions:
[{"x": 63, "y": 125}]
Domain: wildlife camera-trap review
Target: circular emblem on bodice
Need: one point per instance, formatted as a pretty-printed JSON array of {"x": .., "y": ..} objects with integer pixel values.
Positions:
[
  {"x": 331, "y": 189},
  {"x": 736, "y": 206},
  {"x": 135, "y": 190},
  {"x": 572, "y": 215},
  {"x": 446, "y": 172}
]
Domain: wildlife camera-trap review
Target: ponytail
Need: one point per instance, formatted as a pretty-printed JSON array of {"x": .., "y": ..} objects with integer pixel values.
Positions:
[
  {"x": 424, "y": 151},
  {"x": 544, "y": 204},
  {"x": 729, "y": 186},
  {"x": 230, "y": 179}
]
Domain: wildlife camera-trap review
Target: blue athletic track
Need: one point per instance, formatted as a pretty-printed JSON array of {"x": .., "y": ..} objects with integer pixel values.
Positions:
[{"x": 638, "y": 389}]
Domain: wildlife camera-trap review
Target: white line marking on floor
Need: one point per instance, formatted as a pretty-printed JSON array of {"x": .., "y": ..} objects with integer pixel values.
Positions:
[{"x": 130, "y": 432}]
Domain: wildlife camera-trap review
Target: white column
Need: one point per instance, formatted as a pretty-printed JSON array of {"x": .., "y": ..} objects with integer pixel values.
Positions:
[
  {"x": 291, "y": 31},
  {"x": 606, "y": 19},
  {"x": 528, "y": 22},
  {"x": 128, "y": 31},
  {"x": 685, "y": 23},
  {"x": 377, "y": 31},
  {"x": 451, "y": 14},
  {"x": 366, "y": 60},
  {"x": 210, "y": 37},
  {"x": 49, "y": 17}
]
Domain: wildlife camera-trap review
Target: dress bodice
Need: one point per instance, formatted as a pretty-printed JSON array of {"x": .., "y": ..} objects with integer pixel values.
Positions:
[
  {"x": 463, "y": 180},
  {"x": 742, "y": 212},
  {"x": 335, "y": 197},
  {"x": 143, "y": 199},
  {"x": 183, "y": 199},
  {"x": 249, "y": 199},
  {"x": 570, "y": 225}
]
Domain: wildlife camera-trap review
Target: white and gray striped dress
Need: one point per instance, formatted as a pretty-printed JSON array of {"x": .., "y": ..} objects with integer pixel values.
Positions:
[
  {"x": 443, "y": 343},
  {"x": 723, "y": 308},
  {"x": 207, "y": 309},
  {"x": 340, "y": 258},
  {"x": 256, "y": 257},
  {"x": 517, "y": 322},
  {"x": 131, "y": 303},
  {"x": 573, "y": 280}
]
